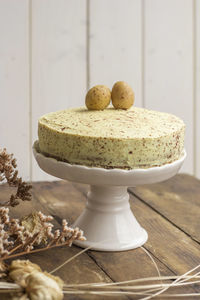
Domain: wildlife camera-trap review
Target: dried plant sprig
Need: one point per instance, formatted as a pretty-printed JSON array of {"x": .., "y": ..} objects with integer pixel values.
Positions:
[
  {"x": 34, "y": 283},
  {"x": 9, "y": 174},
  {"x": 148, "y": 291},
  {"x": 29, "y": 277},
  {"x": 19, "y": 237},
  {"x": 19, "y": 271},
  {"x": 6, "y": 287}
]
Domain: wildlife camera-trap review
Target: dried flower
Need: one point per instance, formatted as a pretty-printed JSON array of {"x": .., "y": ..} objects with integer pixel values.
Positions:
[
  {"x": 9, "y": 174},
  {"x": 18, "y": 237},
  {"x": 35, "y": 283}
]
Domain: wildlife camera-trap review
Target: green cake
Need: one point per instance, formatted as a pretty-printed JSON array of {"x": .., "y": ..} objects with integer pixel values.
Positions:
[{"x": 112, "y": 138}]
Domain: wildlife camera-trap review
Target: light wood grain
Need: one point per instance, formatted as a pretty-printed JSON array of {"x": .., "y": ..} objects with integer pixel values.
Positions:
[
  {"x": 58, "y": 59},
  {"x": 167, "y": 240},
  {"x": 115, "y": 44},
  {"x": 174, "y": 250},
  {"x": 66, "y": 200},
  {"x": 172, "y": 199},
  {"x": 169, "y": 63},
  {"x": 14, "y": 81}
]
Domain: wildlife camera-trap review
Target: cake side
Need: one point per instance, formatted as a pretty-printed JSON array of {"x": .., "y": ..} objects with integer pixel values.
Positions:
[{"x": 136, "y": 138}]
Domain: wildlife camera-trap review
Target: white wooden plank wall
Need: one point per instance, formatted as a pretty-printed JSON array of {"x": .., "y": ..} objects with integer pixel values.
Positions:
[
  {"x": 58, "y": 60},
  {"x": 197, "y": 85},
  {"x": 14, "y": 82},
  {"x": 168, "y": 64},
  {"x": 51, "y": 51},
  {"x": 115, "y": 44}
]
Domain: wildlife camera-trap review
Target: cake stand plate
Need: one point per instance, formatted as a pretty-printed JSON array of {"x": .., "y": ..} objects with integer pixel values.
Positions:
[{"x": 107, "y": 220}]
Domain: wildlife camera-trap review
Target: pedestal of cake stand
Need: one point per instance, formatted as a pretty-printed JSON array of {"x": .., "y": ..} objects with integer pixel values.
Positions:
[{"x": 107, "y": 220}]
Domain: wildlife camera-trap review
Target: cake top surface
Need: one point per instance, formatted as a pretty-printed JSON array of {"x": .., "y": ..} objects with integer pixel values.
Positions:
[{"x": 132, "y": 123}]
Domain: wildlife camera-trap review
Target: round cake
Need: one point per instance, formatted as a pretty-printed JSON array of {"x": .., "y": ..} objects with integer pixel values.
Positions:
[{"x": 112, "y": 138}]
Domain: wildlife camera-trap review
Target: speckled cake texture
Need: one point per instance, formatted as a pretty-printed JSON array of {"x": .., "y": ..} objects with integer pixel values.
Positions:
[{"x": 125, "y": 139}]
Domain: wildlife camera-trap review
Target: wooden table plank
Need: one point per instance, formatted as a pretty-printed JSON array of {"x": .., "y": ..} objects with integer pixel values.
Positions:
[
  {"x": 174, "y": 251},
  {"x": 166, "y": 242},
  {"x": 177, "y": 199},
  {"x": 164, "y": 239},
  {"x": 70, "y": 209},
  {"x": 62, "y": 200},
  {"x": 66, "y": 200},
  {"x": 169, "y": 244}
]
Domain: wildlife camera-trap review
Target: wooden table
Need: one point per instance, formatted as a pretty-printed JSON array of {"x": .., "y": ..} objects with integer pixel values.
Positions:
[{"x": 169, "y": 211}]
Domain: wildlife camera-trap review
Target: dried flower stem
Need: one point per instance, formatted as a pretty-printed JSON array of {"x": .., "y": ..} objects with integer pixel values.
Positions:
[
  {"x": 121, "y": 288},
  {"x": 9, "y": 173},
  {"x": 70, "y": 259},
  {"x": 172, "y": 284},
  {"x": 6, "y": 291},
  {"x": 138, "y": 287},
  {"x": 19, "y": 237},
  {"x": 14, "y": 249},
  {"x": 138, "y": 280},
  {"x": 33, "y": 251}
]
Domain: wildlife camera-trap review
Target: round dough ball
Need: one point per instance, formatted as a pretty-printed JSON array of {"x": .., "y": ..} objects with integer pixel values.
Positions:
[
  {"x": 122, "y": 95},
  {"x": 98, "y": 97}
]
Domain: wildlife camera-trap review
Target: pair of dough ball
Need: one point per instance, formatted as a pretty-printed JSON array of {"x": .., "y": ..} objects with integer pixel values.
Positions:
[{"x": 98, "y": 97}]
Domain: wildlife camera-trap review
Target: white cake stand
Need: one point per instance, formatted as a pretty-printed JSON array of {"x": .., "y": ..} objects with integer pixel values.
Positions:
[{"x": 107, "y": 220}]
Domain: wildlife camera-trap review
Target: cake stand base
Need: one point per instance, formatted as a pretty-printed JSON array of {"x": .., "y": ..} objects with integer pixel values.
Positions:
[{"x": 108, "y": 222}]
